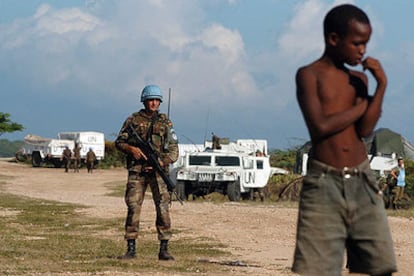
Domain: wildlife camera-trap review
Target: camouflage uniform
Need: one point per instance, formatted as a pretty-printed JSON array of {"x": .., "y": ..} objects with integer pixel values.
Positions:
[
  {"x": 66, "y": 157},
  {"x": 90, "y": 160},
  {"x": 77, "y": 158},
  {"x": 162, "y": 137}
]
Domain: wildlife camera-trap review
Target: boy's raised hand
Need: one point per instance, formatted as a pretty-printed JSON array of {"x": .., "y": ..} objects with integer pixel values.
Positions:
[{"x": 374, "y": 66}]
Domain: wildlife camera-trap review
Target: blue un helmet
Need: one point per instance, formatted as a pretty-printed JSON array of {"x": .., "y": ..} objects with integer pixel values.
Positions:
[{"x": 151, "y": 92}]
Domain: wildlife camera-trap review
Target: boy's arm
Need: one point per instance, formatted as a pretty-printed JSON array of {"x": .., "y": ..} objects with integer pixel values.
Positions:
[
  {"x": 366, "y": 124},
  {"x": 322, "y": 124}
]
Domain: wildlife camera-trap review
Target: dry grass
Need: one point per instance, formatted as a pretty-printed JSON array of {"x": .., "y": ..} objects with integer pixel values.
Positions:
[{"x": 46, "y": 237}]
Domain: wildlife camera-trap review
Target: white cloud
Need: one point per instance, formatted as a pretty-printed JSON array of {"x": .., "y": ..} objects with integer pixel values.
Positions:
[
  {"x": 303, "y": 35},
  {"x": 47, "y": 27},
  {"x": 229, "y": 43},
  {"x": 41, "y": 11},
  {"x": 64, "y": 21},
  {"x": 104, "y": 53},
  {"x": 116, "y": 53}
]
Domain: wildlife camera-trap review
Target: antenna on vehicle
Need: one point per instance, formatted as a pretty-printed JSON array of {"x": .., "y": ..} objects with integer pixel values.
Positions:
[
  {"x": 205, "y": 131},
  {"x": 169, "y": 102},
  {"x": 192, "y": 142}
]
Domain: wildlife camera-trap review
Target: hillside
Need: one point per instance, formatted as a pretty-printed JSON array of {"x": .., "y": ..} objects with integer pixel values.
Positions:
[{"x": 9, "y": 148}]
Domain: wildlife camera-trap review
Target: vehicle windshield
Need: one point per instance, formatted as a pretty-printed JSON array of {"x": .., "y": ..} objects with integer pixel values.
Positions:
[
  {"x": 196, "y": 160},
  {"x": 227, "y": 161}
]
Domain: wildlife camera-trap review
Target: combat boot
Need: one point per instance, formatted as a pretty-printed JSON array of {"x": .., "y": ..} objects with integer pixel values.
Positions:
[
  {"x": 164, "y": 255},
  {"x": 131, "y": 253}
]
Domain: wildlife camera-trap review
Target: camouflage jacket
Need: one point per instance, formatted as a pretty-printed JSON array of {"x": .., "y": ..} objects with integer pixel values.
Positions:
[
  {"x": 66, "y": 154},
  {"x": 90, "y": 156},
  {"x": 76, "y": 152},
  {"x": 161, "y": 133}
]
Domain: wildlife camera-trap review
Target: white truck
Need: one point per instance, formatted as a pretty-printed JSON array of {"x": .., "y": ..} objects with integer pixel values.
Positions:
[
  {"x": 46, "y": 150},
  {"x": 234, "y": 170},
  {"x": 381, "y": 164},
  {"x": 86, "y": 140}
]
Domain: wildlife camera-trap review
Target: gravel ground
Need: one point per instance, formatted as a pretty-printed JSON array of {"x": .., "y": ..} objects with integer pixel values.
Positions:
[{"x": 259, "y": 235}]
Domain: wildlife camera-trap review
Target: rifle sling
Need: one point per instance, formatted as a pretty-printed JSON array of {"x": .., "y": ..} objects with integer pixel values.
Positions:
[{"x": 151, "y": 128}]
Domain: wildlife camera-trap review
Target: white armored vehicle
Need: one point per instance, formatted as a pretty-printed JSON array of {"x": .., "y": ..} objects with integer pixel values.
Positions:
[
  {"x": 235, "y": 170},
  {"x": 46, "y": 150},
  {"x": 41, "y": 149},
  {"x": 86, "y": 140}
]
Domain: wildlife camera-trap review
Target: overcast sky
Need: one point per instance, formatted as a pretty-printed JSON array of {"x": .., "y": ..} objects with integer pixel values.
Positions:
[{"x": 230, "y": 65}]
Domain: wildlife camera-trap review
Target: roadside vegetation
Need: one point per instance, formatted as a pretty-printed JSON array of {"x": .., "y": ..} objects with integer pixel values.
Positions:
[{"x": 9, "y": 148}]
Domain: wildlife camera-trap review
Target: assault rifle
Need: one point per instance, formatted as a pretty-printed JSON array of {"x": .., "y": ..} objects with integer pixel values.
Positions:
[{"x": 148, "y": 149}]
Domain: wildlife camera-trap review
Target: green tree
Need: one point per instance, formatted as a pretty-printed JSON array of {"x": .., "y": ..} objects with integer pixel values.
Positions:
[
  {"x": 8, "y": 126},
  {"x": 409, "y": 177},
  {"x": 283, "y": 158}
]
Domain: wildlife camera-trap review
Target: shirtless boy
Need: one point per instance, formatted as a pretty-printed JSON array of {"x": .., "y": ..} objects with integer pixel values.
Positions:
[{"x": 341, "y": 206}]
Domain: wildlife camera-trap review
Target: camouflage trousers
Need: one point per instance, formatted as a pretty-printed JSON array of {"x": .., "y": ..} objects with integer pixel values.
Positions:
[
  {"x": 134, "y": 197},
  {"x": 89, "y": 166},
  {"x": 76, "y": 164},
  {"x": 66, "y": 164}
]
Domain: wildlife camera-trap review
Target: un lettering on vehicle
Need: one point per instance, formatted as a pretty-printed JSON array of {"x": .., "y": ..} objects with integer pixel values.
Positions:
[{"x": 249, "y": 177}]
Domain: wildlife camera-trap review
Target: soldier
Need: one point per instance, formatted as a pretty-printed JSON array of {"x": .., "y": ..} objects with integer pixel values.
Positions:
[
  {"x": 66, "y": 158},
  {"x": 76, "y": 157},
  {"x": 155, "y": 128},
  {"x": 216, "y": 141},
  {"x": 90, "y": 160}
]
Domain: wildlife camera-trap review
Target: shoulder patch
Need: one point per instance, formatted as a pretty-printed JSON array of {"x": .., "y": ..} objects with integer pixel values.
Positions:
[{"x": 174, "y": 135}]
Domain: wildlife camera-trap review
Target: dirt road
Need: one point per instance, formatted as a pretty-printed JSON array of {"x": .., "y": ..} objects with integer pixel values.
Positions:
[{"x": 261, "y": 235}]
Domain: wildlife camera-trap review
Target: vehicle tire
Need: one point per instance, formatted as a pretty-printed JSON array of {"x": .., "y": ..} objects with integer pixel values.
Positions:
[
  {"x": 247, "y": 196},
  {"x": 233, "y": 191},
  {"x": 57, "y": 163},
  {"x": 20, "y": 156},
  {"x": 180, "y": 189},
  {"x": 36, "y": 159}
]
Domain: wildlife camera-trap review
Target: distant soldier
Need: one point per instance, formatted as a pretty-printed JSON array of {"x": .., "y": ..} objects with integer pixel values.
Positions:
[
  {"x": 90, "y": 160},
  {"x": 66, "y": 158},
  {"x": 76, "y": 157},
  {"x": 260, "y": 153},
  {"x": 216, "y": 141}
]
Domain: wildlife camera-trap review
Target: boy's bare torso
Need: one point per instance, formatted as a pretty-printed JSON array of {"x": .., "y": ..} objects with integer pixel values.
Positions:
[{"x": 337, "y": 90}]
